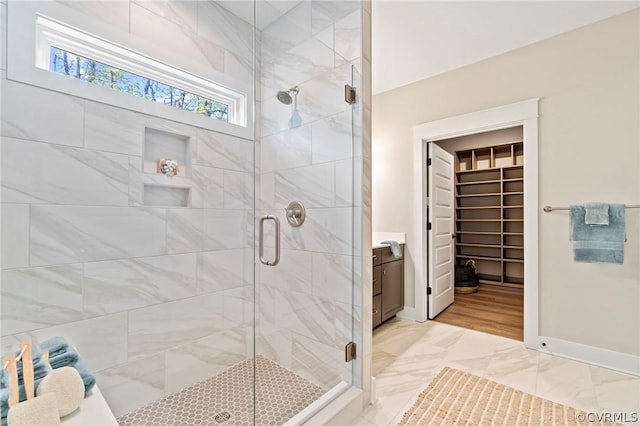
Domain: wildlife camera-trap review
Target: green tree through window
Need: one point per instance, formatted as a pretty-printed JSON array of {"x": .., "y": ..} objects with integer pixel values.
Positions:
[{"x": 76, "y": 66}]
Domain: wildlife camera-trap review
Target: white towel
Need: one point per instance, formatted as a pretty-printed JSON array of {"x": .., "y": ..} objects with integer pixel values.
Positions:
[{"x": 395, "y": 248}]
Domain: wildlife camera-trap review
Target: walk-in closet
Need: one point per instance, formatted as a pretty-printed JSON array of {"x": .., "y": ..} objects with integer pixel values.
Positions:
[{"x": 489, "y": 230}]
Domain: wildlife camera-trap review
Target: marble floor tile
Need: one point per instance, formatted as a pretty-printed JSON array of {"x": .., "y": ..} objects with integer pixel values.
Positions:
[
  {"x": 514, "y": 365},
  {"x": 396, "y": 338},
  {"x": 615, "y": 391},
  {"x": 566, "y": 381},
  {"x": 407, "y": 355},
  {"x": 380, "y": 361}
]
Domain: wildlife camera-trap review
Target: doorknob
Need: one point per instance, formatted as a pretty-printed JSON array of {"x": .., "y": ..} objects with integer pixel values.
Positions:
[{"x": 276, "y": 222}]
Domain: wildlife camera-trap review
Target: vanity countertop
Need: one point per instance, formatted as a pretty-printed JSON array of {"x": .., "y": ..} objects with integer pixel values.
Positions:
[{"x": 378, "y": 237}]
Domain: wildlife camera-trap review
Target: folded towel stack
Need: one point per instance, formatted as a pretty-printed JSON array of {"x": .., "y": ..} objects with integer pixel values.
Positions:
[
  {"x": 61, "y": 354},
  {"x": 4, "y": 378},
  {"x": 4, "y": 398},
  {"x": 87, "y": 378}
]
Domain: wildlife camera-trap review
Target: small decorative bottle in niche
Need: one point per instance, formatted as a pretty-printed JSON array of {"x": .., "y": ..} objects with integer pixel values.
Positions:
[{"x": 168, "y": 167}]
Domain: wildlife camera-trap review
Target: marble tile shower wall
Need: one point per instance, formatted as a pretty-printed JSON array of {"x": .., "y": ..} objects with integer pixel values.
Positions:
[
  {"x": 305, "y": 304},
  {"x": 155, "y": 298}
]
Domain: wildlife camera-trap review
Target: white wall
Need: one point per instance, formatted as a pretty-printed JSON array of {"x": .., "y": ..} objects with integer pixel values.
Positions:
[{"x": 588, "y": 82}]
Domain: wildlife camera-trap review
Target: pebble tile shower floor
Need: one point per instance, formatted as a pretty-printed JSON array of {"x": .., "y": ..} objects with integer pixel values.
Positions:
[{"x": 227, "y": 399}]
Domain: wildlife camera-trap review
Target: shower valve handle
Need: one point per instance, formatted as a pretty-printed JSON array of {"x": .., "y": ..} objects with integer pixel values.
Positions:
[{"x": 295, "y": 213}]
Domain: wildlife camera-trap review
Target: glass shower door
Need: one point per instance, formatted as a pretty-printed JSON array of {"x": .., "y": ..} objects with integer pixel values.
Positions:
[
  {"x": 134, "y": 225},
  {"x": 305, "y": 182}
]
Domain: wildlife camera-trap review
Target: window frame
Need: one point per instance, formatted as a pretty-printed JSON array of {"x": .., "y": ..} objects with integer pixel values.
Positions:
[{"x": 34, "y": 27}]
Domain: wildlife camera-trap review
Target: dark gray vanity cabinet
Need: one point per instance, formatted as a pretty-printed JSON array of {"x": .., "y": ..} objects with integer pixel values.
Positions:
[
  {"x": 377, "y": 295},
  {"x": 388, "y": 284}
]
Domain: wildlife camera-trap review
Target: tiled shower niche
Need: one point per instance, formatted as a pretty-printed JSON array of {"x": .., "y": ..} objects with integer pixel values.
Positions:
[
  {"x": 171, "y": 151},
  {"x": 170, "y": 196},
  {"x": 159, "y": 145}
]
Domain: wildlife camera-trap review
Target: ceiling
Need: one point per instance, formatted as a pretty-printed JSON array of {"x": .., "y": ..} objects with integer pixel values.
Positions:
[{"x": 414, "y": 40}]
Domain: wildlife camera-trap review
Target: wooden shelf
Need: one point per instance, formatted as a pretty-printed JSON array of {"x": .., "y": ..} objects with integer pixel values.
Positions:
[
  {"x": 479, "y": 208},
  {"x": 465, "y": 172},
  {"x": 493, "y": 259},
  {"x": 479, "y": 182},
  {"x": 478, "y": 245},
  {"x": 480, "y": 167},
  {"x": 489, "y": 194}
]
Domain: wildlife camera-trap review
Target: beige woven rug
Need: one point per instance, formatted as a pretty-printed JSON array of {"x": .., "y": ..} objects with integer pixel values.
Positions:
[{"x": 457, "y": 398}]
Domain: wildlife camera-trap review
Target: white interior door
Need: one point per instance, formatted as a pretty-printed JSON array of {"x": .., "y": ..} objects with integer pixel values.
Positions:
[{"x": 441, "y": 218}]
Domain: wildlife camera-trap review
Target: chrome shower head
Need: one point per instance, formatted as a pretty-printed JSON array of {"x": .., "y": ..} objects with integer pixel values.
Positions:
[{"x": 285, "y": 96}]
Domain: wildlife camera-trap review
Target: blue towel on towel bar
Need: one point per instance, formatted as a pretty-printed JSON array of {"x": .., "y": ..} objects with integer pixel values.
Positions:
[
  {"x": 596, "y": 213},
  {"x": 598, "y": 243}
]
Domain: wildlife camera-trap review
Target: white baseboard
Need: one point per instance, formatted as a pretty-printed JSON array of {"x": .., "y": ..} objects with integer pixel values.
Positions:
[{"x": 618, "y": 361}]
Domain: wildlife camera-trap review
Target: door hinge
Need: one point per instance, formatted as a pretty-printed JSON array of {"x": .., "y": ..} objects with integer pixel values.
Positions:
[
  {"x": 349, "y": 352},
  {"x": 428, "y": 226},
  {"x": 454, "y": 236},
  {"x": 428, "y": 161},
  {"x": 349, "y": 94},
  {"x": 428, "y": 290}
]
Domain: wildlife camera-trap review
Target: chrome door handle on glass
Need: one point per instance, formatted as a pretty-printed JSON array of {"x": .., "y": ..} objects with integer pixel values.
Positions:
[{"x": 265, "y": 261}]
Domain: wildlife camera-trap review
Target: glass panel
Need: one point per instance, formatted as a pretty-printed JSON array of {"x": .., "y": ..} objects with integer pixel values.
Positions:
[
  {"x": 153, "y": 272},
  {"x": 94, "y": 72},
  {"x": 304, "y": 304}
]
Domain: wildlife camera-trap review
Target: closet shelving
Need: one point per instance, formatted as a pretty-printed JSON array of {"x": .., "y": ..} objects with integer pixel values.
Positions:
[{"x": 489, "y": 212}]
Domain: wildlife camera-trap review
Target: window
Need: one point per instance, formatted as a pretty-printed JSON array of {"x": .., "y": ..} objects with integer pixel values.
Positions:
[
  {"x": 94, "y": 72},
  {"x": 62, "y": 49}
]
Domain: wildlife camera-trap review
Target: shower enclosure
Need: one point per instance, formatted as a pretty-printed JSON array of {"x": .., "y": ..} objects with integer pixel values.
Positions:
[{"x": 148, "y": 166}]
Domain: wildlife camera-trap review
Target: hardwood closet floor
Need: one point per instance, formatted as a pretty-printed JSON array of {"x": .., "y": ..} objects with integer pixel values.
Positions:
[{"x": 494, "y": 310}]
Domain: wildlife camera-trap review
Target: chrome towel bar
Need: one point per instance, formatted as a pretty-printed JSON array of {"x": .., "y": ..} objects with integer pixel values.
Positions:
[{"x": 548, "y": 209}]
